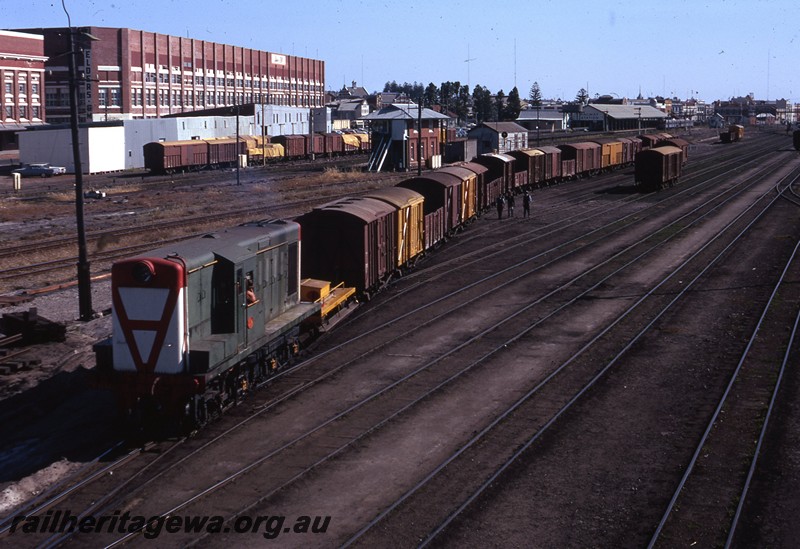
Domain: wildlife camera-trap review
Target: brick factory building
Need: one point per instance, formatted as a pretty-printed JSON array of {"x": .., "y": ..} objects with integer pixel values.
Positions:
[
  {"x": 22, "y": 64},
  {"x": 128, "y": 74}
]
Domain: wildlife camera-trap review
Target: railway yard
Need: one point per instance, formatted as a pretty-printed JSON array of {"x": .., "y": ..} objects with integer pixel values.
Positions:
[{"x": 614, "y": 370}]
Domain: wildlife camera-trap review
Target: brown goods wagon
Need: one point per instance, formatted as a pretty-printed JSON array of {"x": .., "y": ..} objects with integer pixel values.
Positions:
[
  {"x": 658, "y": 167},
  {"x": 442, "y": 192},
  {"x": 333, "y": 144},
  {"x": 488, "y": 190},
  {"x": 682, "y": 144},
  {"x": 366, "y": 143},
  {"x": 737, "y": 132},
  {"x": 225, "y": 151},
  {"x": 351, "y": 143},
  {"x": 469, "y": 190},
  {"x": 532, "y": 161},
  {"x": 410, "y": 219},
  {"x": 350, "y": 240},
  {"x": 552, "y": 164},
  {"x": 294, "y": 146},
  {"x": 168, "y": 156},
  {"x": 434, "y": 228},
  {"x": 500, "y": 166},
  {"x": 586, "y": 154},
  {"x": 611, "y": 153},
  {"x": 568, "y": 169},
  {"x": 629, "y": 149},
  {"x": 314, "y": 144},
  {"x": 649, "y": 140}
]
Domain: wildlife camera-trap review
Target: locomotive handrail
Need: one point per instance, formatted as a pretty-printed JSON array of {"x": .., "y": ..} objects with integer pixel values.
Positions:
[{"x": 209, "y": 264}]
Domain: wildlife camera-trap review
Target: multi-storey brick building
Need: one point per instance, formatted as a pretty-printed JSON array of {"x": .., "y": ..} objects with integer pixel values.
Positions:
[
  {"x": 126, "y": 74},
  {"x": 21, "y": 75}
]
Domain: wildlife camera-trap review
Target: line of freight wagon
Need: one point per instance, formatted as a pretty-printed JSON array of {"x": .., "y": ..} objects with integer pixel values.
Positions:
[{"x": 198, "y": 324}]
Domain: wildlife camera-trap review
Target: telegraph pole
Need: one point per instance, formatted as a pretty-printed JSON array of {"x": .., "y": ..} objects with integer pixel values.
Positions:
[{"x": 84, "y": 276}]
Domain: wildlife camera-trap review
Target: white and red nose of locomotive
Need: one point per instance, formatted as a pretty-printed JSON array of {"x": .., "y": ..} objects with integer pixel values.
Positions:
[{"x": 149, "y": 322}]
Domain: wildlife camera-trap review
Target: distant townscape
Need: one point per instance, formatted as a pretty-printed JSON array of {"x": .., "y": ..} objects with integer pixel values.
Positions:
[{"x": 127, "y": 88}]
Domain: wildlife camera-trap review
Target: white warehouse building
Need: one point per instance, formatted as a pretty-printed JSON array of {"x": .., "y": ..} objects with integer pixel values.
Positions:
[{"x": 117, "y": 145}]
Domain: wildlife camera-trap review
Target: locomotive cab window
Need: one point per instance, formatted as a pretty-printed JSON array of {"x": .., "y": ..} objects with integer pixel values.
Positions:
[{"x": 250, "y": 295}]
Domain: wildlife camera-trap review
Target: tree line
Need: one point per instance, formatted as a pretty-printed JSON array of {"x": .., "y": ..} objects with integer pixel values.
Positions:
[{"x": 485, "y": 106}]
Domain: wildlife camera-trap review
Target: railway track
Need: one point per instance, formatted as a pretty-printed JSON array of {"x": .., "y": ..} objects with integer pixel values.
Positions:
[
  {"x": 737, "y": 427},
  {"x": 18, "y": 273},
  {"x": 354, "y": 427},
  {"x": 80, "y": 494},
  {"x": 32, "y": 189},
  {"x": 422, "y": 505}
]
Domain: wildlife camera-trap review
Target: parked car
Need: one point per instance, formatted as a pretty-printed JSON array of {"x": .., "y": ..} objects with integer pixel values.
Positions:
[{"x": 39, "y": 170}]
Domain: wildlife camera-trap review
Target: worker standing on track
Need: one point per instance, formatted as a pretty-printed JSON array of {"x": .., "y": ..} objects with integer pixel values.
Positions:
[
  {"x": 510, "y": 204},
  {"x": 499, "y": 204},
  {"x": 526, "y": 204}
]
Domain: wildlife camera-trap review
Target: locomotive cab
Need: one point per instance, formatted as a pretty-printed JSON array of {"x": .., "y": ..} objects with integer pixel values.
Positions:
[{"x": 196, "y": 325}]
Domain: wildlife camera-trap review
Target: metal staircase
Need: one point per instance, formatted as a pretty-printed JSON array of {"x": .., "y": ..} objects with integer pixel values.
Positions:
[{"x": 379, "y": 153}]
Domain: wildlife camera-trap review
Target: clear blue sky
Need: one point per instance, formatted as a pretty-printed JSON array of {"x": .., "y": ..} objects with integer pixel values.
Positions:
[{"x": 711, "y": 49}]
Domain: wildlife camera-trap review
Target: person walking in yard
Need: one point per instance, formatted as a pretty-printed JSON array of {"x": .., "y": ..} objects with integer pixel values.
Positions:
[
  {"x": 499, "y": 204},
  {"x": 510, "y": 200},
  {"x": 526, "y": 204}
]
